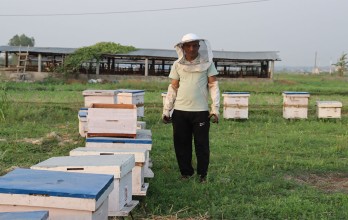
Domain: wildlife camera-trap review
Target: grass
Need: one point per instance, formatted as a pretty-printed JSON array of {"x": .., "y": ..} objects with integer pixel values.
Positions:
[{"x": 265, "y": 167}]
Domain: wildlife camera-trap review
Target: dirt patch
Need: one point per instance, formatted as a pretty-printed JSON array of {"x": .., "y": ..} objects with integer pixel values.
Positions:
[
  {"x": 333, "y": 182},
  {"x": 53, "y": 136},
  {"x": 286, "y": 82}
]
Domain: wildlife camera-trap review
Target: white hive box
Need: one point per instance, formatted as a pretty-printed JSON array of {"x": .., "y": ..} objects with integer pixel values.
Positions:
[
  {"x": 329, "y": 109},
  {"x": 33, "y": 215},
  {"x": 129, "y": 96},
  {"x": 82, "y": 116},
  {"x": 112, "y": 120},
  {"x": 139, "y": 187},
  {"x": 99, "y": 96},
  {"x": 143, "y": 140},
  {"x": 64, "y": 195},
  {"x": 295, "y": 105},
  {"x": 236, "y": 105},
  {"x": 120, "y": 166}
]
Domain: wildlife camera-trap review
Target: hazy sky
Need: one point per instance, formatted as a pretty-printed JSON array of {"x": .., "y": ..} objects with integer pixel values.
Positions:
[{"x": 295, "y": 28}]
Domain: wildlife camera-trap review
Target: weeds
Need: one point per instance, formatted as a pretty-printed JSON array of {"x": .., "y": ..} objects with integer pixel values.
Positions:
[{"x": 4, "y": 103}]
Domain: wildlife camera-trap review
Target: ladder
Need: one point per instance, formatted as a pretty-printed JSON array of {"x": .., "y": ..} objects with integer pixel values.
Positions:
[{"x": 22, "y": 59}]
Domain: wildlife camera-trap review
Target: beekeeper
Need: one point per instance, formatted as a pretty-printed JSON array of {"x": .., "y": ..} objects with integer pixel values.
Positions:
[{"x": 193, "y": 78}]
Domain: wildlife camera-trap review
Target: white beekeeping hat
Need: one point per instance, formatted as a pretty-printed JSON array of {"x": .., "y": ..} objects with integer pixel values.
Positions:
[{"x": 205, "y": 53}]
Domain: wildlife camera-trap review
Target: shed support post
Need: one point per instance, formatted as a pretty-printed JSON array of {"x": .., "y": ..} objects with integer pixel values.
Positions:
[
  {"x": 39, "y": 64},
  {"x": 271, "y": 71},
  {"x": 6, "y": 59},
  {"x": 146, "y": 67}
]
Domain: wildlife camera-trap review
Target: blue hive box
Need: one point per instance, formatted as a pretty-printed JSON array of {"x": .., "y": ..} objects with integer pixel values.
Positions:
[{"x": 65, "y": 195}]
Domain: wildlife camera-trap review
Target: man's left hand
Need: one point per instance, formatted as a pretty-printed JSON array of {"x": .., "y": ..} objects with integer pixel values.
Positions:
[{"x": 215, "y": 118}]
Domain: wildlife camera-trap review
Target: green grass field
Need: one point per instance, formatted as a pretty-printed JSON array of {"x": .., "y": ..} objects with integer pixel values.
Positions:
[{"x": 265, "y": 167}]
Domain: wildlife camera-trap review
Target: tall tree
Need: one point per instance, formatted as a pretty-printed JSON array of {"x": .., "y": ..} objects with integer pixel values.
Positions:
[
  {"x": 342, "y": 64},
  {"x": 73, "y": 62},
  {"x": 22, "y": 40}
]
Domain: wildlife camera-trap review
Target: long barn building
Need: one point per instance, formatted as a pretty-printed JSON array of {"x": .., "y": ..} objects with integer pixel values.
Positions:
[{"x": 148, "y": 62}]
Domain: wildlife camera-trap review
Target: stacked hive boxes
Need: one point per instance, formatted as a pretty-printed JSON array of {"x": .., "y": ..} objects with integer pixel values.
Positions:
[
  {"x": 142, "y": 141},
  {"x": 115, "y": 127},
  {"x": 295, "y": 105},
  {"x": 139, "y": 187},
  {"x": 236, "y": 105},
  {"x": 120, "y": 166},
  {"x": 105, "y": 178},
  {"x": 121, "y": 96}
]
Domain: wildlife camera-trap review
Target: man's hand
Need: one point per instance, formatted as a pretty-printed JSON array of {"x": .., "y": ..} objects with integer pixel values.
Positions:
[
  {"x": 166, "y": 119},
  {"x": 215, "y": 118}
]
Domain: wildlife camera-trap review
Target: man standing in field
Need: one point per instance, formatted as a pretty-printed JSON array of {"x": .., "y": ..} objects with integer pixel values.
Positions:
[{"x": 193, "y": 77}]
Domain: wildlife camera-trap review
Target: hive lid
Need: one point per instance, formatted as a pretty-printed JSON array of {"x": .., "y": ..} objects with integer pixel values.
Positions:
[
  {"x": 329, "y": 104},
  {"x": 236, "y": 94},
  {"x": 100, "y": 92},
  {"x": 129, "y": 91},
  {"x": 117, "y": 165},
  {"x": 139, "y": 153},
  {"x": 295, "y": 93},
  {"x": 55, "y": 183},
  {"x": 30, "y": 215},
  {"x": 143, "y": 136},
  {"x": 119, "y": 140}
]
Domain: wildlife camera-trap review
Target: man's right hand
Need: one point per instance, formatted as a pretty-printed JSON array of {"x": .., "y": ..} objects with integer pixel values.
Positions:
[{"x": 166, "y": 119}]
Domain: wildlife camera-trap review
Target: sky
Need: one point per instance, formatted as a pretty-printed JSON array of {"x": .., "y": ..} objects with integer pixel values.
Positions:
[{"x": 304, "y": 32}]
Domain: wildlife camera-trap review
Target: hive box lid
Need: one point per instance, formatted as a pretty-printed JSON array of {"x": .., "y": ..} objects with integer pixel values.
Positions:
[
  {"x": 143, "y": 136},
  {"x": 304, "y": 94},
  {"x": 329, "y": 104},
  {"x": 236, "y": 94},
  {"x": 54, "y": 183},
  {"x": 130, "y": 91},
  {"x": 99, "y": 92},
  {"x": 116, "y": 165},
  {"x": 30, "y": 215},
  {"x": 139, "y": 154}
]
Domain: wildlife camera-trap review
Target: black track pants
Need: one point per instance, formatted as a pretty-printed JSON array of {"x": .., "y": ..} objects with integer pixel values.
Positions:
[{"x": 185, "y": 126}]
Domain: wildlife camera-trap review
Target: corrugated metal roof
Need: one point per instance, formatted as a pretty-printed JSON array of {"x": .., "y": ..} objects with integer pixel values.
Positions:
[
  {"x": 258, "y": 55},
  {"x": 156, "y": 53},
  {"x": 218, "y": 55},
  {"x": 48, "y": 50}
]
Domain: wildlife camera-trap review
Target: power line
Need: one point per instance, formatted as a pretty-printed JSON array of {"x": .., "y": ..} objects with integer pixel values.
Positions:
[{"x": 128, "y": 12}]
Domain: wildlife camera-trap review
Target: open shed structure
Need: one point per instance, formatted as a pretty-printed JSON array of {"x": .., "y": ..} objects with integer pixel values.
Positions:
[{"x": 153, "y": 62}]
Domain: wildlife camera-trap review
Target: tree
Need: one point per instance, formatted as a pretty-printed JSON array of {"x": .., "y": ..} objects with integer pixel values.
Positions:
[
  {"x": 73, "y": 62},
  {"x": 21, "y": 40},
  {"x": 342, "y": 64}
]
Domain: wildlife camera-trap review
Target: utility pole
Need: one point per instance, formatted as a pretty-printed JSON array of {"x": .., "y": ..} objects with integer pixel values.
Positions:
[{"x": 315, "y": 69}]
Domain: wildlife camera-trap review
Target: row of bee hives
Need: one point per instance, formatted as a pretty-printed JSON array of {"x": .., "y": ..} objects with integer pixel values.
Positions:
[
  {"x": 96, "y": 181},
  {"x": 295, "y": 106}
]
